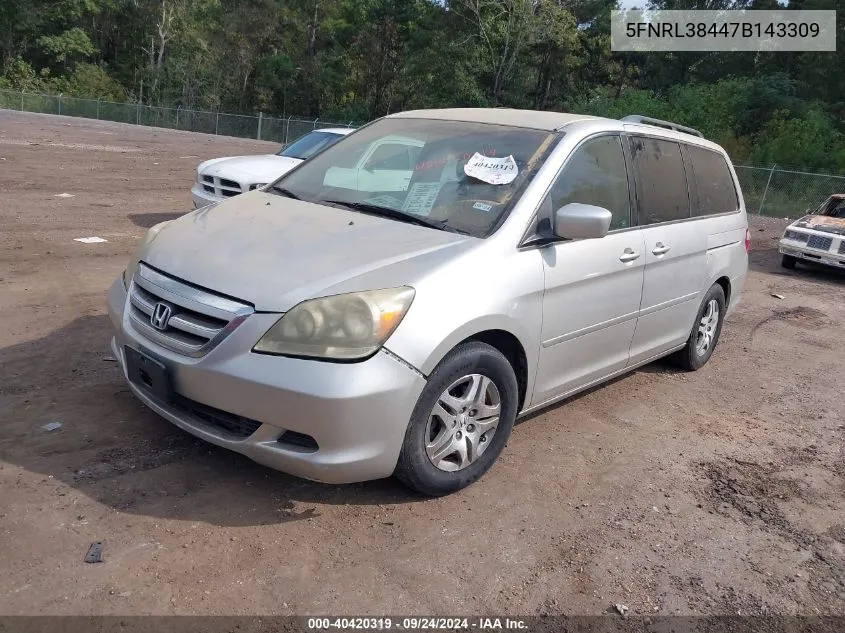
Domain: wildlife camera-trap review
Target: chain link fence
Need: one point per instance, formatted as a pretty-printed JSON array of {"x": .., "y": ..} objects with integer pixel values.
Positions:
[
  {"x": 768, "y": 191},
  {"x": 785, "y": 193},
  {"x": 283, "y": 129}
]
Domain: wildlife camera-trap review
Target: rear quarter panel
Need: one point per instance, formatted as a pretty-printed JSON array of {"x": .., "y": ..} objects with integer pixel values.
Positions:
[{"x": 726, "y": 255}]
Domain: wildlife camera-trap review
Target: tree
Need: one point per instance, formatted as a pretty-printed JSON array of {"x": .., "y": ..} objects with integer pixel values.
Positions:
[{"x": 500, "y": 30}]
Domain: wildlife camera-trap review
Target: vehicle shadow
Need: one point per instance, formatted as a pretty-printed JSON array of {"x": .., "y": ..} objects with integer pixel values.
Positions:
[
  {"x": 114, "y": 450},
  {"x": 148, "y": 220},
  {"x": 659, "y": 366}
]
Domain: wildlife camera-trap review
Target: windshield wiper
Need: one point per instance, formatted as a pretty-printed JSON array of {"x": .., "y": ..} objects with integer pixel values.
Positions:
[
  {"x": 387, "y": 212},
  {"x": 285, "y": 192}
]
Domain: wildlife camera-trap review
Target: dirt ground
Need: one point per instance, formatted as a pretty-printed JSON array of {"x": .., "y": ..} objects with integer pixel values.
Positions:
[{"x": 716, "y": 492}]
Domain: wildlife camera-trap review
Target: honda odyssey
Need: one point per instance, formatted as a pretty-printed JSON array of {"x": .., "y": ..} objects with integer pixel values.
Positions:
[{"x": 342, "y": 331}]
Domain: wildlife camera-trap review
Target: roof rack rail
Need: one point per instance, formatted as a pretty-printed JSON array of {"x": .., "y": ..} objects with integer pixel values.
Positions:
[{"x": 637, "y": 118}]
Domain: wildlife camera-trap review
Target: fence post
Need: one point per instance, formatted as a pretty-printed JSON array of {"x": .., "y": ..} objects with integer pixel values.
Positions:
[
  {"x": 217, "y": 121},
  {"x": 766, "y": 190},
  {"x": 138, "y": 114},
  {"x": 315, "y": 123},
  {"x": 98, "y": 108},
  {"x": 22, "y": 94},
  {"x": 60, "y": 103},
  {"x": 260, "y": 119},
  {"x": 177, "y": 116},
  {"x": 287, "y": 131}
]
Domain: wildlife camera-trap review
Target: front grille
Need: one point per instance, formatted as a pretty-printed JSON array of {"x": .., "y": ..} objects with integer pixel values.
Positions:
[
  {"x": 227, "y": 424},
  {"x": 842, "y": 247},
  {"x": 222, "y": 187},
  {"x": 198, "y": 320},
  {"x": 819, "y": 242}
]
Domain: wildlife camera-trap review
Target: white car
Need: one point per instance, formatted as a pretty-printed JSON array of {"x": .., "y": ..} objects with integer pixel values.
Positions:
[
  {"x": 384, "y": 166},
  {"x": 221, "y": 178},
  {"x": 818, "y": 237}
]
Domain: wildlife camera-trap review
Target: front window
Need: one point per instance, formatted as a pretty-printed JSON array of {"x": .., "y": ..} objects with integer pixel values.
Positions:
[
  {"x": 452, "y": 175},
  {"x": 309, "y": 145},
  {"x": 595, "y": 174}
]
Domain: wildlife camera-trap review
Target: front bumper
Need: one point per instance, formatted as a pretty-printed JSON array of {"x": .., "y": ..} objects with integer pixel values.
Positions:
[
  {"x": 801, "y": 251},
  {"x": 203, "y": 198},
  {"x": 356, "y": 412}
]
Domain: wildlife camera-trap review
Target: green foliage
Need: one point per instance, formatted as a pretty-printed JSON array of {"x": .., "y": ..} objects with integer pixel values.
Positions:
[
  {"x": 360, "y": 59},
  {"x": 92, "y": 82},
  {"x": 810, "y": 141},
  {"x": 71, "y": 44},
  {"x": 20, "y": 75},
  {"x": 602, "y": 103}
]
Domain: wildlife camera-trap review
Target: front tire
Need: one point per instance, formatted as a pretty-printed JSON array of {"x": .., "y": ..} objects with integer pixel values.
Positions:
[
  {"x": 788, "y": 261},
  {"x": 705, "y": 331},
  {"x": 461, "y": 422}
]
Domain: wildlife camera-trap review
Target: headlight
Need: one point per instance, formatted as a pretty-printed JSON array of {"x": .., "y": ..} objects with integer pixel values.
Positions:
[
  {"x": 343, "y": 327},
  {"x": 129, "y": 273},
  {"x": 795, "y": 235}
]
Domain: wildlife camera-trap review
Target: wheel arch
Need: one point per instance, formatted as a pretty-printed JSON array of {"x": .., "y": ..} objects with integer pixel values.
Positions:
[
  {"x": 512, "y": 349},
  {"x": 725, "y": 282},
  {"x": 505, "y": 335}
]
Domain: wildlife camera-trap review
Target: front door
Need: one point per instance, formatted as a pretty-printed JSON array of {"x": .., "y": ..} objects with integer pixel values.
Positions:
[{"x": 594, "y": 286}]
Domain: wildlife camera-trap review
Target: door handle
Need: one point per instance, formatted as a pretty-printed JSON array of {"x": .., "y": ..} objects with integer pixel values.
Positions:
[
  {"x": 660, "y": 249},
  {"x": 628, "y": 255}
]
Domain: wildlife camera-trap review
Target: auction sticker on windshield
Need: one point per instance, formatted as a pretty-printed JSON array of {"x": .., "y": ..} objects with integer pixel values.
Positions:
[{"x": 494, "y": 171}]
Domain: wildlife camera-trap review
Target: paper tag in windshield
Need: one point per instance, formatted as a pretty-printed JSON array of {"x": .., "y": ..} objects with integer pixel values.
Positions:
[
  {"x": 495, "y": 171},
  {"x": 421, "y": 198}
]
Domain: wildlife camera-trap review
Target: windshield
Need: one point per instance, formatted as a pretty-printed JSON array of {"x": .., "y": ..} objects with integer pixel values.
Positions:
[
  {"x": 310, "y": 144},
  {"x": 833, "y": 207},
  {"x": 451, "y": 175}
]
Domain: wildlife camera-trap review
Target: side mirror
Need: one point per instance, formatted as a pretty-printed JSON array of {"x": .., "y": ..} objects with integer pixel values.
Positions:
[{"x": 582, "y": 221}]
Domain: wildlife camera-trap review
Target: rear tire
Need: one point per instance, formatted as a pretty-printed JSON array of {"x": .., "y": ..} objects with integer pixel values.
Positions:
[
  {"x": 788, "y": 261},
  {"x": 705, "y": 331},
  {"x": 461, "y": 422}
]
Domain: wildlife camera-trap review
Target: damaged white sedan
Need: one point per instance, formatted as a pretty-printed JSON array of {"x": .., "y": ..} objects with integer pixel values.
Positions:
[{"x": 818, "y": 237}]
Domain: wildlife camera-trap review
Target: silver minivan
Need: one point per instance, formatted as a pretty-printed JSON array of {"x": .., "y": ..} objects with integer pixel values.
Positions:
[{"x": 508, "y": 260}]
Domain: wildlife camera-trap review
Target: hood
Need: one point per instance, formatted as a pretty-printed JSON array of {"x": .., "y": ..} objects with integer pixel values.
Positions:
[
  {"x": 275, "y": 252},
  {"x": 250, "y": 169},
  {"x": 824, "y": 223}
]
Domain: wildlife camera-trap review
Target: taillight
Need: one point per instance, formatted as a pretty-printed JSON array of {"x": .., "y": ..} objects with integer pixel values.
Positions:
[{"x": 747, "y": 241}]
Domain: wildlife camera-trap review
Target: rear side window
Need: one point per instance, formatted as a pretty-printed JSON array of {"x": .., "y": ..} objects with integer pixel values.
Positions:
[
  {"x": 661, "y": 180},
  {"x": 716, "y": 190}
]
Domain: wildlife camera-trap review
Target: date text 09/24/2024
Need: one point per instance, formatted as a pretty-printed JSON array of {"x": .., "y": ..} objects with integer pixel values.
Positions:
[{"x": 418, "y": 623}]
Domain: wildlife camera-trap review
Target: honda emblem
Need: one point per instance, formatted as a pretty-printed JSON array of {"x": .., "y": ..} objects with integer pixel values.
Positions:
[{"x": 161, "y": 316}]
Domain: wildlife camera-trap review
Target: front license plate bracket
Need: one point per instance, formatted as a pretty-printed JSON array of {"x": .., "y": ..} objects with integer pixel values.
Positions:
[{"x": 148, "y": 374}]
